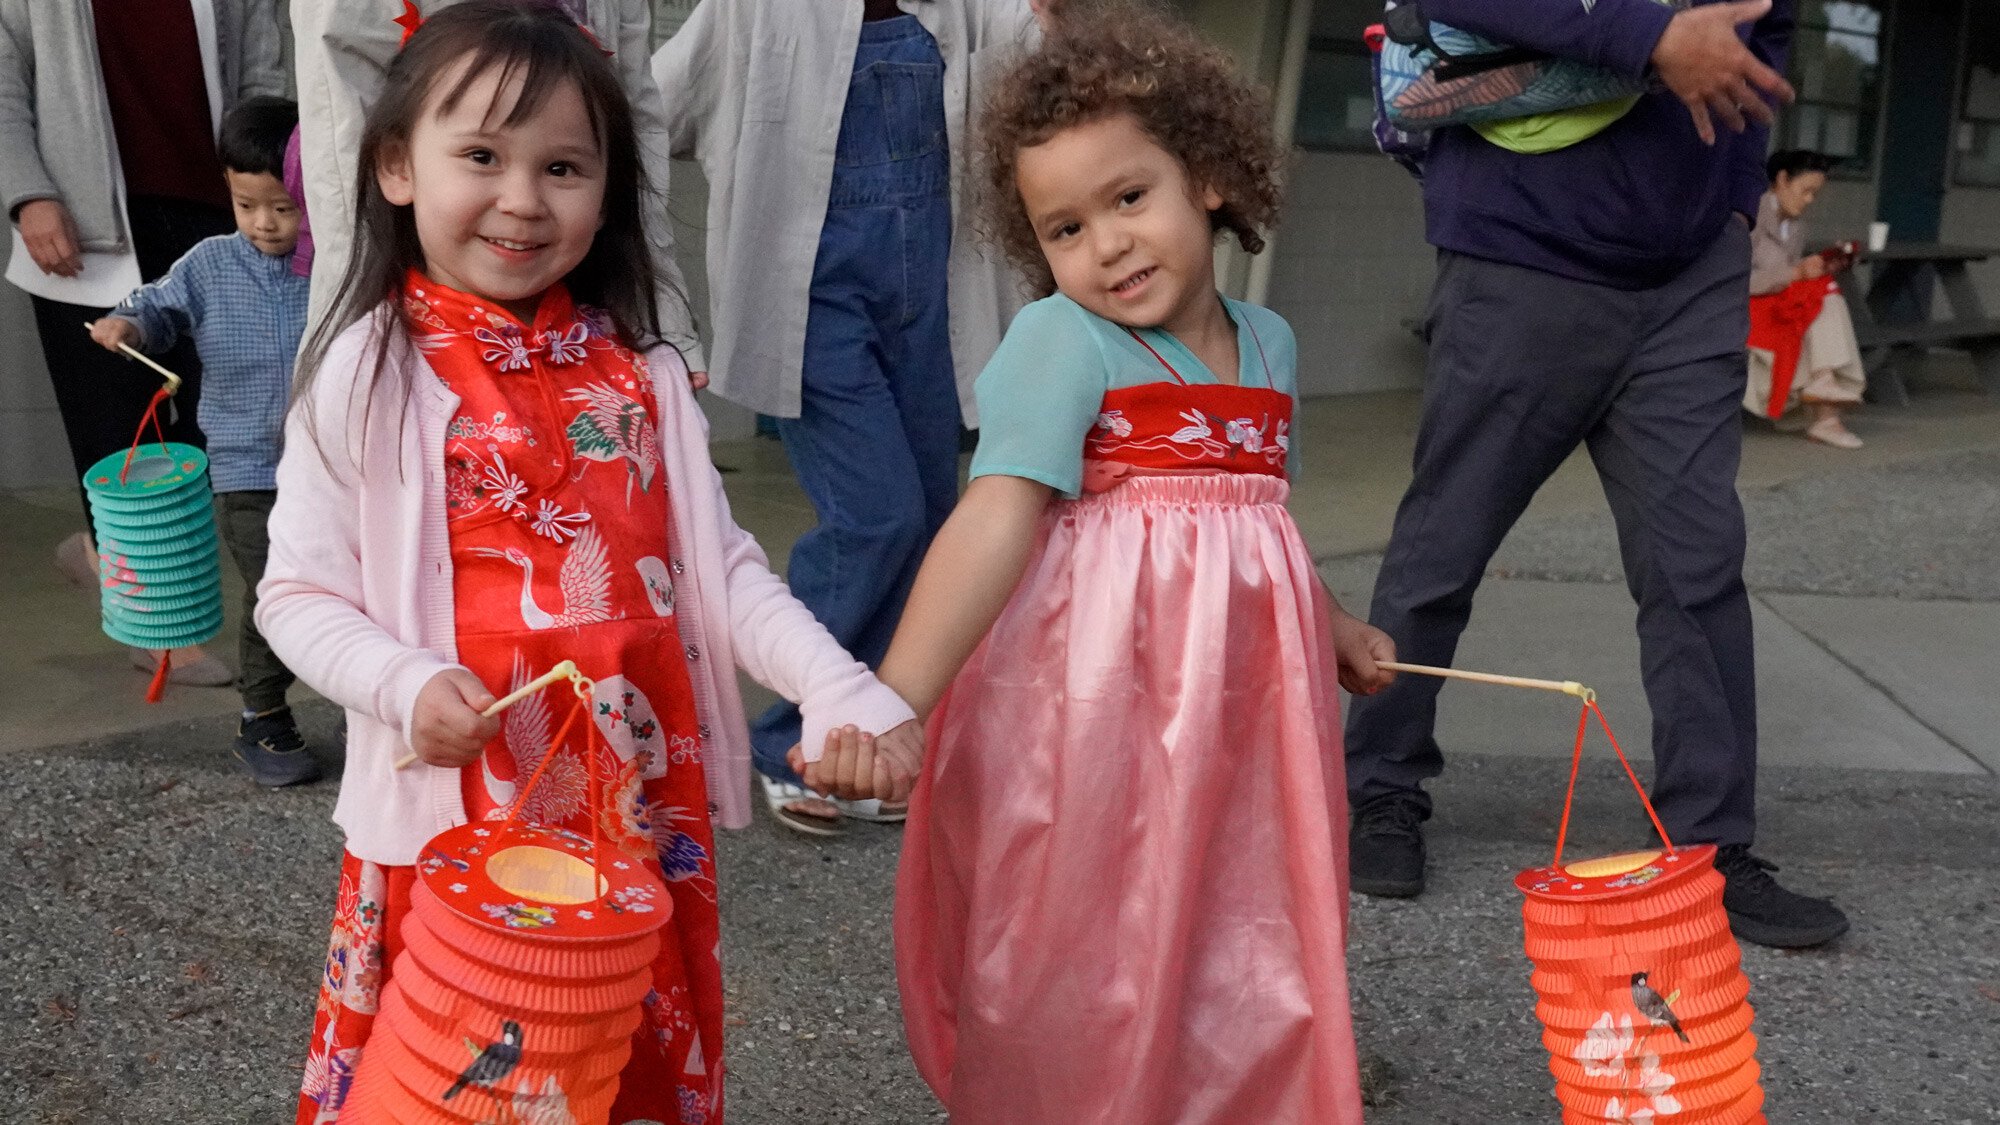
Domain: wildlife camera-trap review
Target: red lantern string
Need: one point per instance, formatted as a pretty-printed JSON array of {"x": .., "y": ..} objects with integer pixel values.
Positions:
[
  {"x": 1576, "y": 761},
  {"x": 157, "y": 689},
  {"x": 152, "y": 415},
  {"x": 582, "y": 687}
]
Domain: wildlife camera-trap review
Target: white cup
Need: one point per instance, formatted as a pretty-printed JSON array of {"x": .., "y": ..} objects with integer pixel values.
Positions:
[{"x": 1878, "y": 237}]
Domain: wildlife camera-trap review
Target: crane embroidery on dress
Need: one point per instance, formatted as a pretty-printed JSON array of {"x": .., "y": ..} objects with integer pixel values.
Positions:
[
  {"x": 561, "y": 794},
  {"x": 612, "y": 427},
  {"x": 585, "y": 580}
]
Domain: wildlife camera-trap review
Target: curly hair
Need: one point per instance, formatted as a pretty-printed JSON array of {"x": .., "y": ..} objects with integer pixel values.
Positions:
[{"x": 1123, "y": 56}]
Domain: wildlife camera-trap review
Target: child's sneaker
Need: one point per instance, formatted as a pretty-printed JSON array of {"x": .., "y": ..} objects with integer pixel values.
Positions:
[{"x": 272, "y": 750}]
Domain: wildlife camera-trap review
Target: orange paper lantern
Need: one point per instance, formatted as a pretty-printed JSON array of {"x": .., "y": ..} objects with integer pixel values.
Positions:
[
  {"x": 1638, "y": 981},
  {"x": 527, "y": 953}
]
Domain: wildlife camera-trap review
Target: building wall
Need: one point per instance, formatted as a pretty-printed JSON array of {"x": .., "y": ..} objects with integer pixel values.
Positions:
[
  {"x": 1351, "y": 267},
  {"x": 1972, "y": 218},
  {"x": 33, "y": 453}
]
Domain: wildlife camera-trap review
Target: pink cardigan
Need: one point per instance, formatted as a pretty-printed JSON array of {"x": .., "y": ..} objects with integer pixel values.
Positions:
[{"x": 357, "y": 595}]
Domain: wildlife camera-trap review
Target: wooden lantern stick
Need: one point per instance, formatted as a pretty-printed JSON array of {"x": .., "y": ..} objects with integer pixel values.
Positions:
[
  {"x": 562, "y": 671},
  {"x": 1566, "y": 687},
  {"x": 173, "y": 380}
]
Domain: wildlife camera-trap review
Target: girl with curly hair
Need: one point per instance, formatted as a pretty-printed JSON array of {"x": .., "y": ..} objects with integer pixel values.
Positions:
[{"x": 1123, "y": 886}]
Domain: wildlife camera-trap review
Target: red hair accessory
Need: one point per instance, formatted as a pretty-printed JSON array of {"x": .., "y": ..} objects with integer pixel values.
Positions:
[
  {"x": 594, "y": 40},
  {"x": 410, "y": 20}
]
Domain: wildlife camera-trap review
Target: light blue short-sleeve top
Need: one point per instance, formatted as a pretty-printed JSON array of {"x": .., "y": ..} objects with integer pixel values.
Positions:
[{"x": 1043, "y": 388}]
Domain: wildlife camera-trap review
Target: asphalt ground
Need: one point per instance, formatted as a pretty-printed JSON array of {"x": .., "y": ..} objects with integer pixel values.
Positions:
[
  {"x": 163, "y": 927},
  {"x": 162, "y": 923}
]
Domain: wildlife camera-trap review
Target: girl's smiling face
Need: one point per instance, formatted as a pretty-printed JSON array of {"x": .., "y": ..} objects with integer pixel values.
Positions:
[
  {"x": 1126, "y": 234},
  {"x": 502, "y": 211}
]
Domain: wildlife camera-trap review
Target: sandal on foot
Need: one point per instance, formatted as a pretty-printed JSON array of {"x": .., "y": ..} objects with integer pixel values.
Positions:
[
  {"x": 872, "y": 811},
  {"x": 789, "y": 804}
]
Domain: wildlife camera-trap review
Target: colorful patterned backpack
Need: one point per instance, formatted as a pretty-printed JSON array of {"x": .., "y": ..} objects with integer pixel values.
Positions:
[{"x": 1429, "y": 75}]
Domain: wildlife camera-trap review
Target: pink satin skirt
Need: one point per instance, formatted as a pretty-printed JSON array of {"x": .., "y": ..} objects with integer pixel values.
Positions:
[{"x": 1123, "y": 892}]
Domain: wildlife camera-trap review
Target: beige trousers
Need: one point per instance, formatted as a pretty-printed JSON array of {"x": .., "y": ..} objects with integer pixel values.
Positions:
[{"x": 1829, "y": 364}]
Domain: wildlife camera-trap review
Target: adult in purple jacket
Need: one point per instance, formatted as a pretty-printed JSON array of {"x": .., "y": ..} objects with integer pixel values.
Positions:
[{"x": 1596, "y": 295}]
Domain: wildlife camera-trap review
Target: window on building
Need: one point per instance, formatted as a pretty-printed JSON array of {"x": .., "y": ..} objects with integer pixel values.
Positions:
[
  {"x": 1979, "y": 119},
  {"x": 1837, "y": 71},
  {"x": 1337, "y": 87}
]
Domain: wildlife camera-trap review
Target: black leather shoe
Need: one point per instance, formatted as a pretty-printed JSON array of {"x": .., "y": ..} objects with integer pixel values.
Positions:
[
  {"x": 1761, "y": 911},
  {"x": 273, "y": 752},
  {"x": 1385, "y": 846}
]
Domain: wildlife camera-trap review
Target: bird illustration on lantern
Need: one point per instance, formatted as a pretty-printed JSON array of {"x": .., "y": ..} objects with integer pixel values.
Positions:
[
  {"x": 1638, "y": 981},
  {"x": 527, "y": 954}
]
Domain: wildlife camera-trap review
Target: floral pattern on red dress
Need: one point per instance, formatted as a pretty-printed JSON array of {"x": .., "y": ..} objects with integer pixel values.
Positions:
[
  {"x": 559, "y": 525},
  {"x": 1178, "y": 425}
]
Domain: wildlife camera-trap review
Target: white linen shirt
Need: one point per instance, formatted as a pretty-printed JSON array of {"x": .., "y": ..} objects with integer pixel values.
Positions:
[{"x": 754, "y": 91}]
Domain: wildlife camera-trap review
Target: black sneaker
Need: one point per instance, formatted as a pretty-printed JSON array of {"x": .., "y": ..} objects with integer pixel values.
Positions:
[
  {"x": 1763, "y": 912},
  {"x": 1385, "y": 846},
  {"x": 272, "y": 751}
]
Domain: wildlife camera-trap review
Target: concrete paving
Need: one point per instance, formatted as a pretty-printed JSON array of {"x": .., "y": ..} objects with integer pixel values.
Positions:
[
  {"x": 1939, "y": 660},
  {"x": 164, "y": 921},
  {"x": 1813, "y": 708}
]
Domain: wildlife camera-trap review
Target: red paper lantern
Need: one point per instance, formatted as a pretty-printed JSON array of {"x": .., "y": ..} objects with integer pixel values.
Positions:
[
  {"x": 1639, "y": 983},
  {"x": 527, "y": 952}
]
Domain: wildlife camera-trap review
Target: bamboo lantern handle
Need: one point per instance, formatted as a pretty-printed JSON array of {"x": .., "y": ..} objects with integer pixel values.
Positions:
[
  {"x": 563, "y": 671},
  {"x": 1566, "y": 687},
  {"x": 173, "y": 380}
]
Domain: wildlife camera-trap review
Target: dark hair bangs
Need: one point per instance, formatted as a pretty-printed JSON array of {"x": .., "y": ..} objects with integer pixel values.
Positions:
[{"x": 543, "y": 66}]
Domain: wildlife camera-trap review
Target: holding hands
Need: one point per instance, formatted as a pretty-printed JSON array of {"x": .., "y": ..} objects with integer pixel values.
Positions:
[{"x": 859, "y": 766}]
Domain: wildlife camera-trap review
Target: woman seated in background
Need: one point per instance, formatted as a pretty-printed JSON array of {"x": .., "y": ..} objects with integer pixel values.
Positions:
[{"x": 1802, "y": 347}]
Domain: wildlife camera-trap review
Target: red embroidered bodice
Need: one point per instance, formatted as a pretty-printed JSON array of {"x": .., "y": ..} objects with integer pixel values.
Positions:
[{"x": 1179, "y": 426}]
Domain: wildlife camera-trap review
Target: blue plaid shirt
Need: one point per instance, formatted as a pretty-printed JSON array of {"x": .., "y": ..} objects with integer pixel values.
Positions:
[{"x": 246, "y": 312}]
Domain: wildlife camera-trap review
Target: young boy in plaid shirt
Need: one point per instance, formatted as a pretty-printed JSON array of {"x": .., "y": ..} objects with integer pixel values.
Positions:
[{"x": 240, "y": 300}]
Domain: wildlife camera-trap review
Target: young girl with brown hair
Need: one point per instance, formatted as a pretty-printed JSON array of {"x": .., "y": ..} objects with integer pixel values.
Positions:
[{"x": 1123, "y": 885}]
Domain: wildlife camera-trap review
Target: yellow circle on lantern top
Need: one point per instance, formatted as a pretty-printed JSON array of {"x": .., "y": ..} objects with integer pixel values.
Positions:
[
  {"x": 1609, "y": 865},
  {"x": 544, "y": 875}
]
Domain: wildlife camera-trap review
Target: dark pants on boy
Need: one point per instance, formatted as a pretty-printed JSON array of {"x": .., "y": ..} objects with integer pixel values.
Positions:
[
  {"x": 244, "y": 519},
  {"x": 1524, "y": 366},
  {"x": 875, "y": 445},
  {"x": 101, "y": 395}
]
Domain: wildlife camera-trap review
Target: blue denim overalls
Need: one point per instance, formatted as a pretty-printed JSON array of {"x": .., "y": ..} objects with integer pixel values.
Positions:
[{"x": 876, "y": 442}]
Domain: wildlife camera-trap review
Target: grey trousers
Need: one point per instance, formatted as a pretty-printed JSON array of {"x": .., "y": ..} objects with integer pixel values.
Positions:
[
  {"x": 244, "y": 519},
  {"x": 1524, "y": 366}
]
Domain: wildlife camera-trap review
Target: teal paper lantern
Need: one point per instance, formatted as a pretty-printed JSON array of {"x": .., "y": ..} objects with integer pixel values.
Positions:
[{"x": 159, "y": 563}]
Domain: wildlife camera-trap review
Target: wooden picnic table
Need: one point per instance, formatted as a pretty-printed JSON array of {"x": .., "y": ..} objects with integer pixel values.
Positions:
[{"x": 1890, "y": 322}]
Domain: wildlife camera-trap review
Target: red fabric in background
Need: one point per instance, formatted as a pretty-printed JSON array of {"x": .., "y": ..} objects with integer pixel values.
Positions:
[
  {"x": 153, "y": 79},
  {"x": 1778, "y": 323}
]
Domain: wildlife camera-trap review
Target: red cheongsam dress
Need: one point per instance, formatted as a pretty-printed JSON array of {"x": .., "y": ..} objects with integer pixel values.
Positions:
[{"x": 558, "y": 514}]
